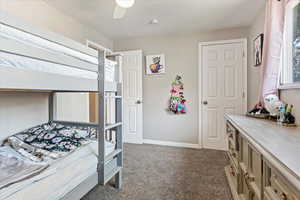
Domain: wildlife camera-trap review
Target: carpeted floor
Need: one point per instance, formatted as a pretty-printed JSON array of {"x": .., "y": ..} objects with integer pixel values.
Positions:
[{"x": 166, "y": 173}]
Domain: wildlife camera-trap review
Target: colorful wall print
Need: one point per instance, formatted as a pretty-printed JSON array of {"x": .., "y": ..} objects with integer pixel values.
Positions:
[
  {"x": 155, "y": 64},
  {"x": 177, "y": 100}
]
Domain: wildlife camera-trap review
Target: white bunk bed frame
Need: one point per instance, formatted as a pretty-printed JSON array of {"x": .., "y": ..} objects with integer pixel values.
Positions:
[{"x": 13, "y": 79}]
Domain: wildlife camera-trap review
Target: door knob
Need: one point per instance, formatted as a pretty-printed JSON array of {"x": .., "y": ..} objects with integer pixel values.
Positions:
[
  {"x": 138, "y": 102},
  {"x": 205, "y": 102}
]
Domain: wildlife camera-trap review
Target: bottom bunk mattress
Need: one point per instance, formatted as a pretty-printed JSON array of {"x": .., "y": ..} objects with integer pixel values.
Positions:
[{"x": 60, "y": 178}]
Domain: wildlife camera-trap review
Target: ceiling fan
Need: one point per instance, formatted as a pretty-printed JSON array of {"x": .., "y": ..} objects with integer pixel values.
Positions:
[{"x": 121, "y": 8}]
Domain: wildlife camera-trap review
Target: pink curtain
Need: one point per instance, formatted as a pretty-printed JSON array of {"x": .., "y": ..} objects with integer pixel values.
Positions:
[{"x": 273, "y": 38}]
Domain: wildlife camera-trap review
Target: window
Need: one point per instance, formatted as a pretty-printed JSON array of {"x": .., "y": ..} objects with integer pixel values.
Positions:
[
  {"x": 291, "y": 48},
  {"x": 296, "y": 44}
]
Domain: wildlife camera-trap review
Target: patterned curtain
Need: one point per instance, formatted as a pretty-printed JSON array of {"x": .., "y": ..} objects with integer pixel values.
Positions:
[{"x": 273, "y": 39}]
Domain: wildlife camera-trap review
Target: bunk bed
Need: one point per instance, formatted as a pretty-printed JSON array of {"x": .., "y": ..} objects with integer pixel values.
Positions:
[{"x": 32, "y": 60}]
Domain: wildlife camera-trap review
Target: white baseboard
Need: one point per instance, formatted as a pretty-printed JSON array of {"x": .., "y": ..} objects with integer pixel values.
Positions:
[
  {"x": 133, "y": 141},
  {"x": 172, "y": 144}
]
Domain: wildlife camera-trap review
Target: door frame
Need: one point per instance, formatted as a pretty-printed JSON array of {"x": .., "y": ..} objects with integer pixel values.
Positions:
[{"x": 245, "y": 83}]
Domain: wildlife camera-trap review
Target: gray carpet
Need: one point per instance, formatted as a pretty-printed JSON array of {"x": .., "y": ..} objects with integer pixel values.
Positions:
[{"x": 166, "y": 173}]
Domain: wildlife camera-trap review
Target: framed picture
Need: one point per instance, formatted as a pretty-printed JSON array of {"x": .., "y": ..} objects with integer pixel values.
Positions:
[
  {"x": 258, "y": 49},
  {"x": 155, "y": 64}
]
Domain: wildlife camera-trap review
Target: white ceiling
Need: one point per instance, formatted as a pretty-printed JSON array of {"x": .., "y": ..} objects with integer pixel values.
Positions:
[{"x": 175, "y": 16}]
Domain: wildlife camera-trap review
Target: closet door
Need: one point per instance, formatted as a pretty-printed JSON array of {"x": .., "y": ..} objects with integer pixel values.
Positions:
[
  {"x": 221, "y": 89},
  {"x": 132, "y": 65}
]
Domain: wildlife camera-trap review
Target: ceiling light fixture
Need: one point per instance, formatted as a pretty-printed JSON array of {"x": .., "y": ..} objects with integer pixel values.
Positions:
[
  {"x": 125, "y": 3},
  {"x": 154, "y": 21}
]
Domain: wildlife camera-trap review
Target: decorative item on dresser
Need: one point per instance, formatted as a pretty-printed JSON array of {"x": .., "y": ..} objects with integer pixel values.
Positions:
[
  {"x": 264, "y": 159},
  {"x": 275, "y": 110}
]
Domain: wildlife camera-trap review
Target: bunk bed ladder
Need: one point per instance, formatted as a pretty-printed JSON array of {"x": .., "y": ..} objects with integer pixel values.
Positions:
[{"x": 104, "y": 174}]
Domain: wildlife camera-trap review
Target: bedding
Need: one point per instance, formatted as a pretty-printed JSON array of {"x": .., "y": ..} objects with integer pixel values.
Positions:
[
  {"x": 60, "y": 177},
  {"x": 62, "y": 149},
  {"x": 51, "y": 140},
  {"x": 14, "y": 167}
]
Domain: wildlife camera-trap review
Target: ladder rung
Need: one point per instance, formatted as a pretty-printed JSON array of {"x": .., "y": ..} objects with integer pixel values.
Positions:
[
  {"x": 111, "y": 126},
  {"x": 110, "y": 156},
  {"x": 113, "y": 97},
  {"x": 109, "y": 176}
]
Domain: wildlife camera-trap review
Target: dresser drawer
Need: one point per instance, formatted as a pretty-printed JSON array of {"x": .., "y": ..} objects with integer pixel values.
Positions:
[
  {"x": 253, "y": 196},
  {"x": 255, "y": 171},
  {"x": 269, "y": 194},
  {"x": 232, "y": 144},
  {"x": 233, "y": 153},
  {"x": 231, "y": 133},
  {"x": 277, "y": 187},
  {"x": 234, "y": 175},
  {"x": 243, "y": 151},
  {"x": 281, "y": 188},
  {"x": 246, "y": 191}
]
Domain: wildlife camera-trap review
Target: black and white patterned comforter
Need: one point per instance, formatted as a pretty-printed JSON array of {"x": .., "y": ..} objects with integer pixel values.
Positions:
[{"x": 52, "y": 140}]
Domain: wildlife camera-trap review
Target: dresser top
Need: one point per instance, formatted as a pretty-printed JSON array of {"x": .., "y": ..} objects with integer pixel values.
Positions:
[{"x": 282, "y": 143}]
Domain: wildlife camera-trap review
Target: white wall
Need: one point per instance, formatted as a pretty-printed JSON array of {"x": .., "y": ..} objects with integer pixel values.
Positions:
[
  {"x": 254, "y": 73},
  {"x": 181, "y": 58},
  {"x": 20, "y": 111}
]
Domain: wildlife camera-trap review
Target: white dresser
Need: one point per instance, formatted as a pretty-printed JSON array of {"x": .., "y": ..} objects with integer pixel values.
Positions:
[{"x": 264, "y": 159}]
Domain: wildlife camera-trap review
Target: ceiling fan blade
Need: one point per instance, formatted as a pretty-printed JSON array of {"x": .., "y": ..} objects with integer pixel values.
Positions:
[{"x": 119, "y": 12}]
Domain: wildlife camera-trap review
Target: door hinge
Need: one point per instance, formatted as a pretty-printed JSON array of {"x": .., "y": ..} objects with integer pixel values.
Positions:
[
  {"x": 243, "y": 54},
  {"x": 243, "y": 94}
]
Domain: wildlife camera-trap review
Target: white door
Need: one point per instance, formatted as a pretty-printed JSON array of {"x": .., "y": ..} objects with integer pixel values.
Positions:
[
  {"x": 132, "y": 64},
  {"x": 223, "y": 83}
]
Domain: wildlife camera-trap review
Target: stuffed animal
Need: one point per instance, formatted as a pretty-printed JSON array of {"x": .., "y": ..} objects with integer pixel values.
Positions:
[{"x": 272, "y": 104}]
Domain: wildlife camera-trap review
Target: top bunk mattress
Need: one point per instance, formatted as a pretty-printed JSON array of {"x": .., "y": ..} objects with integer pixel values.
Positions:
[
  {"x": 60, "y": 178},
  {"x": 40, "y": 60}
]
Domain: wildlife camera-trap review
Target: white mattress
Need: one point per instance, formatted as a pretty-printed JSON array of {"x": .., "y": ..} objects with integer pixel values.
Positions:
[
  {"x": 33, "y": 40},
  {"x": 24, "y": 63},
  {"x": 60, "y": 178},
  {"x": 17, "y": 61}
]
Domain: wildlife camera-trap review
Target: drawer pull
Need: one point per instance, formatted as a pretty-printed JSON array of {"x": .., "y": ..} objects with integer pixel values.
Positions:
[
  {"x": 248, "y": 177},
  {"x": 232, "y": 171},
  {"x": 234, "y": 154},
  {"x": 283, "y": 197}
]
